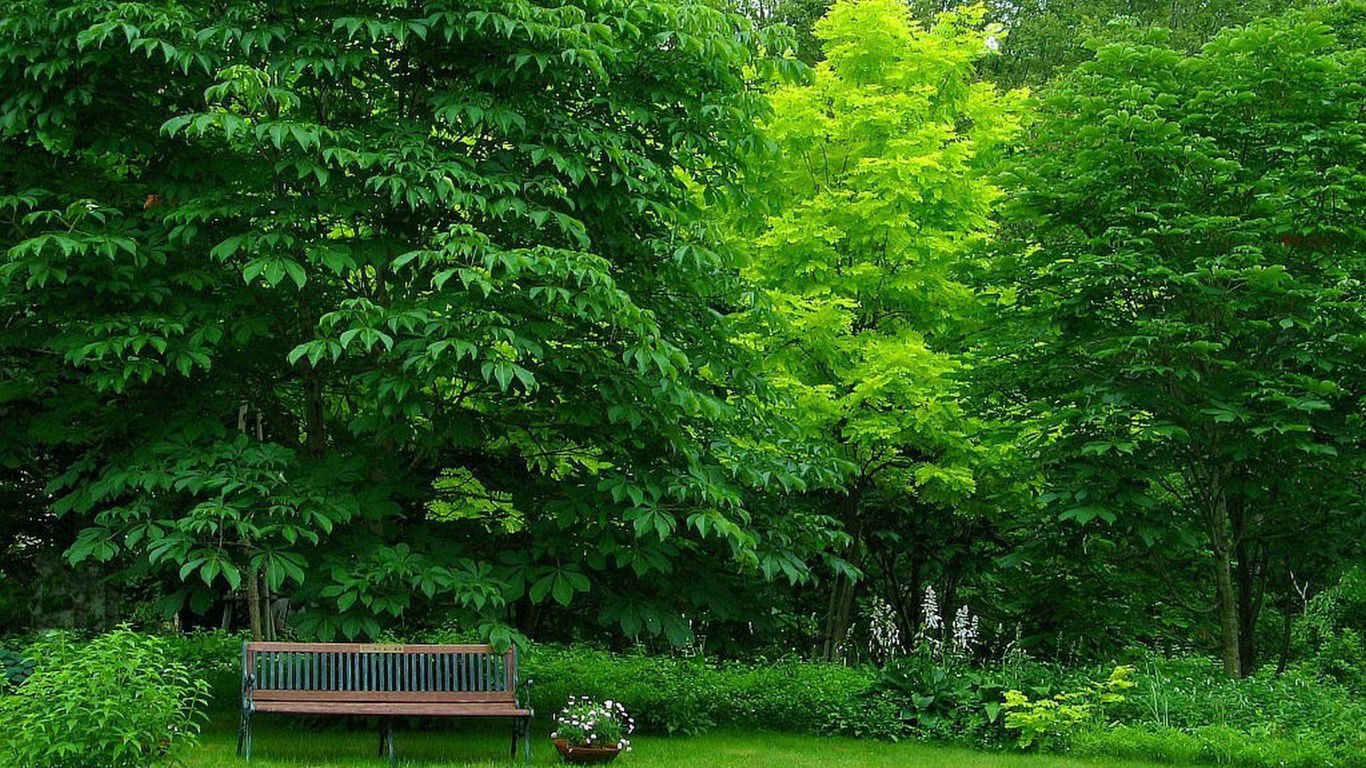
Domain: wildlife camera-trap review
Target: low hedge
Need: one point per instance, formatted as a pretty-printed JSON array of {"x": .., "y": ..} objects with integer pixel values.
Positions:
[
  {"x": 1213, "y": 745},
  {"x": 669, "y": 694}
]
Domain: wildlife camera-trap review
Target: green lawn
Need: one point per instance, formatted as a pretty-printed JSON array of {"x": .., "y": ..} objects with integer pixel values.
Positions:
[{"x": 284, "y": 743}]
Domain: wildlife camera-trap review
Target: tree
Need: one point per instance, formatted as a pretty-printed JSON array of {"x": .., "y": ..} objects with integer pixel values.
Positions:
[
  {"x": 1042, "y": 38},
  {"x": 375, "y": 306},
  {"x": 1048, "y": 37},
  {"x": 801, "y": 16},
  {"x": 1180, "y": 310},
  {"x": 877, "y": 188}
]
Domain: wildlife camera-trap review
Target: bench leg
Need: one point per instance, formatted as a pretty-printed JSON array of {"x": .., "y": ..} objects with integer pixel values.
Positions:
[
  {"x": 389, "y": 738},
  {"x": 526, "y": 738},
  {"x": 516, "y": 736},
  {"x": 244, "y": 736}
]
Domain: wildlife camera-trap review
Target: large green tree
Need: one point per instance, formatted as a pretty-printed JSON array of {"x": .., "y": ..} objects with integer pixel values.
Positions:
[
  {"x": 375, "y": 304},
  {"x": 1182, "y": 311},
  {"x": 880, "y": 186}
]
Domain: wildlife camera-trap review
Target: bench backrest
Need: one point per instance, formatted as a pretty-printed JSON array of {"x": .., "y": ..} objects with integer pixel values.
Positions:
[{"x": 368, "y": 672}]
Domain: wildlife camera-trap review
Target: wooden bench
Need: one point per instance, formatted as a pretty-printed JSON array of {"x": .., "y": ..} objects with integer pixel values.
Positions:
[{"x": 387, "y": 681}]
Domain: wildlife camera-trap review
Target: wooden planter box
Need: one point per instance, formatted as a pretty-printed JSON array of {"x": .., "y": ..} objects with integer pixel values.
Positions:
[{"x": 586, "y": 755}]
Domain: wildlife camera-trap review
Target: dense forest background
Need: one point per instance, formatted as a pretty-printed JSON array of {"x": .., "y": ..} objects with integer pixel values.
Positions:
[{"x": 778, "y": 329}]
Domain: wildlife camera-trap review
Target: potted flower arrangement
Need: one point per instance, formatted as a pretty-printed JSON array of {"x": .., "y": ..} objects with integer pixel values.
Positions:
[{"x": 588, "y": 733}]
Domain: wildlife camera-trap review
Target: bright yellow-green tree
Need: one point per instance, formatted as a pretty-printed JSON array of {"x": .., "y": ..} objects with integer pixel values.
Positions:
[{"x": 879, "y": 190}]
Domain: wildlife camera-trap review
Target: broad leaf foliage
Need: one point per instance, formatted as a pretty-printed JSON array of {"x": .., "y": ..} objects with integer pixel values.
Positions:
[{"x": 340, "y": 297}]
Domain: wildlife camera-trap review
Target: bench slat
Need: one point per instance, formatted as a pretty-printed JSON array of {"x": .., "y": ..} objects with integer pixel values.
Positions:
[
  {"x": 416, "y": 669},
  {"x": 372, "y": 647},
  {"x": 461, "y": 709},
  {"x": 489, "y": 696}
]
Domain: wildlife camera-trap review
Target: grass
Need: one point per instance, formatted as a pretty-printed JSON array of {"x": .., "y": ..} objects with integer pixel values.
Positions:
[{"x": 284, "y": 742}]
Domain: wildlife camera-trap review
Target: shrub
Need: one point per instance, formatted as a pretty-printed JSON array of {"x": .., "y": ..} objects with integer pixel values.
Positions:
[
  {"x": 1331, "y": 635},
  {"x": 931, "y": 693},
  {"x": 1300, "y": 705},
  {"x": 118, "y": 701},
  {"x": 943, "y": 698},
  {"x": 671, "y": 694},
  {"x": 873, "y": 715},
  {"x": 1043, "y": 722},
  {"x": 1210, "y": 745},
  {"x": 216, "y": 658},
  {"x": 15, "y": 668}
]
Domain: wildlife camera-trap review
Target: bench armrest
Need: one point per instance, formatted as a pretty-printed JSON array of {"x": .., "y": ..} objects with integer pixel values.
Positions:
[{"x": 521, "y": 686}]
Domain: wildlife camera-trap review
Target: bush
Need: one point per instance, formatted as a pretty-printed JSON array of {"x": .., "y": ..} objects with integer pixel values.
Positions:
[
  {"x": 1046, "y": 721},
  {"x": 15, "y": 668},
  {"x": 949, "y": 699},
  {"x": 874, "y": 715},
  {"x": 216, "y": 658},
  {"x": 943, "y": 699},
  {"x": 1331, "y": 636},
  {"x": 931, "y": 693},
  {"x": 686, "y": 695},
  {"x": 1210, "y": 745},
  {"x": 1187, "y": 694},
  {"x": 118, "y": 701}
]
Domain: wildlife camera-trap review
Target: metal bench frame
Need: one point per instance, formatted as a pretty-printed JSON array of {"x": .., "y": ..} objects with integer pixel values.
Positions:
[{"x": 386, "y": 681}]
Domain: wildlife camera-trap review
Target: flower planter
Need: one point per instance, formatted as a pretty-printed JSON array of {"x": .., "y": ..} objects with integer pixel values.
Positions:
[{"x": 586, "y": 755}]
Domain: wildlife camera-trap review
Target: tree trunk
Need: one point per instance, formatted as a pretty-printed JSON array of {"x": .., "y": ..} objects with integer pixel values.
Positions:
[
  {"x": 838, "y": 617},
  {"x": 1248, "y": 609},
  {"x": 1225, "y": 594},
  {"x": 914, "y": 598},
  {"x": 250, "y": 580},
  {"x": 268, "y": 612},
  {"x": 1251, "y": 573},
  {"x": 840, "y": 609},
  {"x": 315, "y": 435},
  {"x": 253, "y": 585}
]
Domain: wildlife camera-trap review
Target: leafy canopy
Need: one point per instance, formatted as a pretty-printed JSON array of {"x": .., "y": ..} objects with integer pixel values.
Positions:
[
  {"x": 879, "y": 191},
  {"x": 1182, "y": 309},
  {"x": 388, "y": 303}
]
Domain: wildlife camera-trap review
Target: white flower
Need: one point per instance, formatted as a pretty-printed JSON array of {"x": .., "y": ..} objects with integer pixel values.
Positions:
[
  {"x": 965, "y": 627},
  {"x": 929, "y": 608},
  {"x": 885, "y": 636}
]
